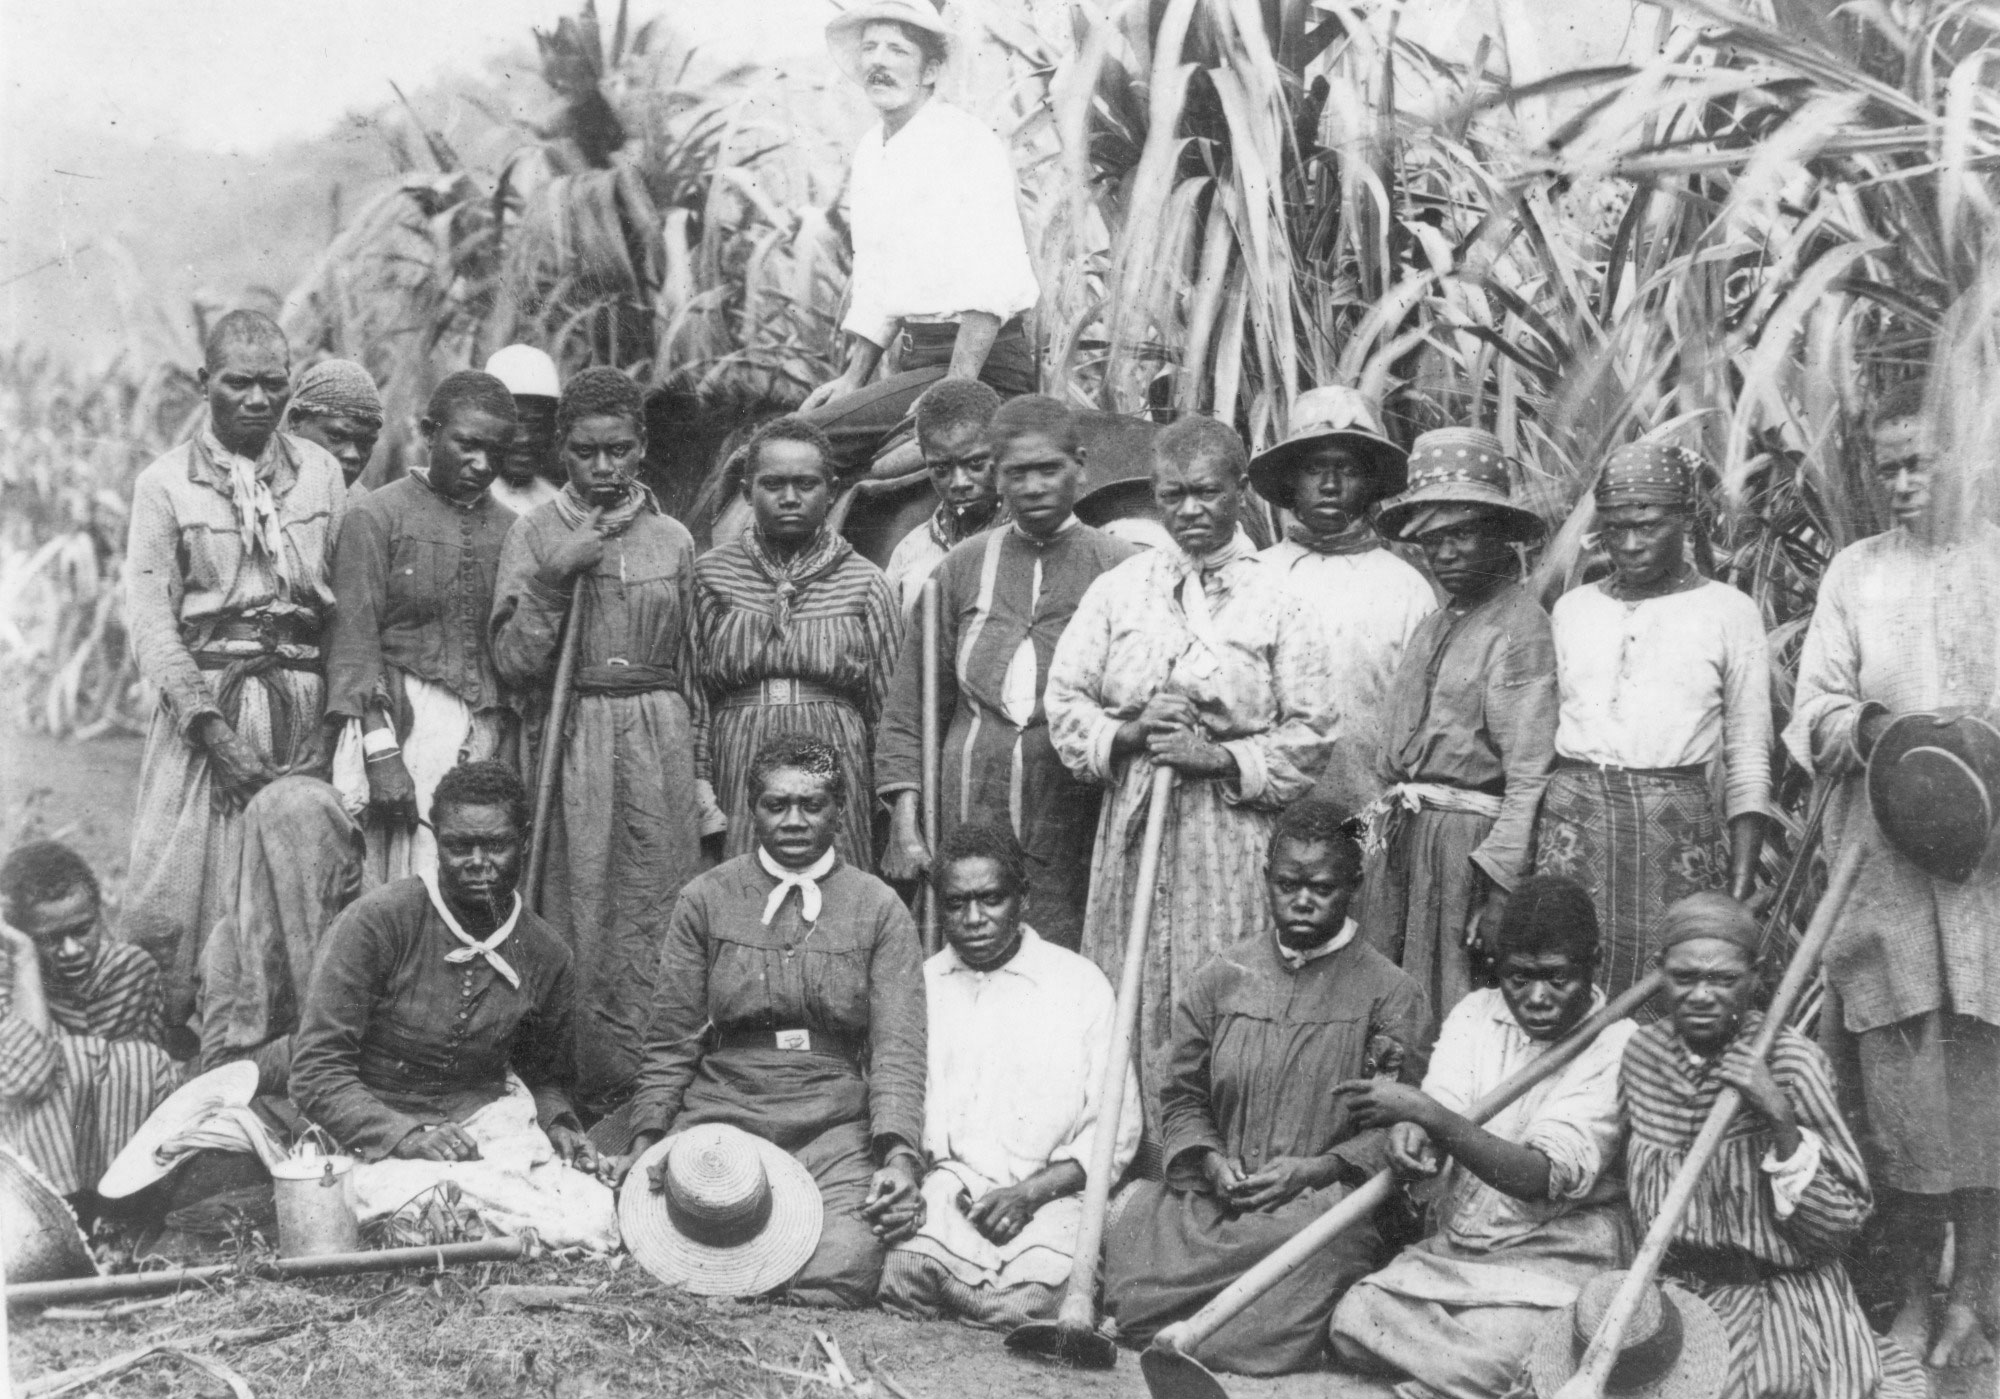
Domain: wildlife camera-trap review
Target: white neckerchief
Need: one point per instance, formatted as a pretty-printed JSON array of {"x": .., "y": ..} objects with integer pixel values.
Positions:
[
  {"x": 473, "y": 947},
  {"x": 1295, "y": 959},
  {"x": 806, "y": 881}
]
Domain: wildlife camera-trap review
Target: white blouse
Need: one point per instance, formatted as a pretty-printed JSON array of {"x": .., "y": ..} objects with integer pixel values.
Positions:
[{"x": 1668, "y": 682}]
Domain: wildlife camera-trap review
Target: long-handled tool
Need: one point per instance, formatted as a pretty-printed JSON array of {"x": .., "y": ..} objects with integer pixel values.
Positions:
[
  {"x": 928, "y": 615},
  {"x": 1073, "y": 1337},
  {"x": 1169, "y": 1365},
  {"x": 1602, "y": 1353},
  {"x": 550, "y": 764},
  {"x": 381, "y": 1260}
]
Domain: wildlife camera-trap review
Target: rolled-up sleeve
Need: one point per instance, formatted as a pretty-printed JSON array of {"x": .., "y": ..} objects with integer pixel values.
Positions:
[
  {"x": 1577, "y": 1126},
  {"x": 28, "y": 1061}
]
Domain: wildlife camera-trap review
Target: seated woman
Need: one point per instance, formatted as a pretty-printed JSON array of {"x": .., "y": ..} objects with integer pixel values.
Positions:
[
  {"x": 1256, "y": 1147},
  {"x": 1531, "y": 1205},
  {"x": 790, "y": 1004},
  {"x": 435, "y": 1039}
]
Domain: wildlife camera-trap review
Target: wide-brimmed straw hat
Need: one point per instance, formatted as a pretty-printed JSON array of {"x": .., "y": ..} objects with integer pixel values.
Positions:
[
  {"x": 1674, "y": 1347},
  {"x": 843, "y": 35},
  {"x": 739, "y": 1216},
  {"x": 1457, "y": 467},
  {"x": 1931, "y": 786},
  {"x": 139, "y": 1164},
  {"x": 1331, "y": 416},
  {"x": 39, "y": 1240}
]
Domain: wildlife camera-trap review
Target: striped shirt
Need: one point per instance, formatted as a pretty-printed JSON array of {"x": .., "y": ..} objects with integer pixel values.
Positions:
[{"x": 118, "y": 998}]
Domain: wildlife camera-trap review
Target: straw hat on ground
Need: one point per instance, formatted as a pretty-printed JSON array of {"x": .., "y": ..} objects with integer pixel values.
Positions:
[
  {"x": 1932, "y": 789},
  {"x": 1454, "y": 473},
  {"x": 1335, "y": 417},
  {"x": 1674, "y": 1348},
  {"x": 139, "y": 1164},
  {"x": 739, "y": 1216},
  {"x": 39, "y": 1240},
  {"x": 843, "y": 35}
]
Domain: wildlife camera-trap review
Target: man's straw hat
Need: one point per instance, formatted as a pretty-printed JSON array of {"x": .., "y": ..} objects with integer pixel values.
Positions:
[
  {"x": 139, "y": 1164},
  {"x": 39, "y": 1240},
  {"x": 1330, "y": 416},
  {"x": 739, "y": 1216},
  {"x": 1674, "y": 1347},
  {"x": 843, "y": 35},
  {"x": 1932, "y": 789}
]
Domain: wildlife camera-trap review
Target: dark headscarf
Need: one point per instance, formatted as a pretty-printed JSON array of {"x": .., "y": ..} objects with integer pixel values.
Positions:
[{"x": 1712, "y": 914}]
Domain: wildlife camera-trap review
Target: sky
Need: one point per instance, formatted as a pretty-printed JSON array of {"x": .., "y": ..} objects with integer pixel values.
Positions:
[{"x": 241, "y": 75}]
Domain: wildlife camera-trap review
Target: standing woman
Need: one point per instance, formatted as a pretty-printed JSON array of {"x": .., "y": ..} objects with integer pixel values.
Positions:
[
  {"x": 409, "y": 678},
  {"x": 1661, "y": 670},
  {"x": 635, "y": 797},
  {"x": 798, "y": 633}
]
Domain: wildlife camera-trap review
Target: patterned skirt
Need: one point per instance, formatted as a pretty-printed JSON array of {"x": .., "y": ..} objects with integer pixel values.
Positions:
[{"x": 1638, "y": 840}]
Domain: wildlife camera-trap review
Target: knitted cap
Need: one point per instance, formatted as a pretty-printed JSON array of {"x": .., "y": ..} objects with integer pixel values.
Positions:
[{"x": 337, "y": 388}]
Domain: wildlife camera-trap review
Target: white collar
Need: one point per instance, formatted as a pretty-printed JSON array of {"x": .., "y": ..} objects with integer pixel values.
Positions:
[
  {"x": 806, "y": 881},
  {"x": 1296, "y": 960},
  {"x": 1020, "y": 964},
  {"x": 472, "y": 946}
]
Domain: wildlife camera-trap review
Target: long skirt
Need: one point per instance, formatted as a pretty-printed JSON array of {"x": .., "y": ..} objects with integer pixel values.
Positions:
[
  {"x": 736, "y": 732},
  {"x": 302, "y": 862},
  {"x": 99, "y": 1094},
  {"x": 1415, "y": 896},
  {"x": 1168, "y": 1253},
  {"x": 185, "y": 841},
  {"x": 1460, "y": 1321},
  {"x": 1803, "y": 1335},
  {"x": 626, "y": 837},
  {"x": 814, "y": 1106},
  {"x": 1931, "y": 1090},
  {"x": 1638, "y": 841},
  {"x": 1209, "y": 894}
]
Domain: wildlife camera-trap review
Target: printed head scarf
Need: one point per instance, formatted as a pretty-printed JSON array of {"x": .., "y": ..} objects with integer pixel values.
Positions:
[{"x": 1648, "y": 473}]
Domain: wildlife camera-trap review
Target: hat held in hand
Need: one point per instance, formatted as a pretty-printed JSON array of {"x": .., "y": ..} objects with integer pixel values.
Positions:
[
  {"x": 1931, "y": 785},
  {"x": 737, "y": 1218}
]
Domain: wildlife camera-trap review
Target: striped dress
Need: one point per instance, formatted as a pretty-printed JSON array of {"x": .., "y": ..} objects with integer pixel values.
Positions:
[
  {"x": 73, "y": 1095},
  {"x": 1796, "y": 1330},
  {"x": 803, "y": 644}
]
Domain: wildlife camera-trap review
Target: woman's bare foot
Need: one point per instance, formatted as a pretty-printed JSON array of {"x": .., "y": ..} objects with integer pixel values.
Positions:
[
  {"x": 1912, "y": 1326},
  {"x": 1961, "y": 1341}
]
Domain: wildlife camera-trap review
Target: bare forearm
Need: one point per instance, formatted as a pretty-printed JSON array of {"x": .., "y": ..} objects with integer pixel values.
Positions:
[
  {"x": 1053, "y": 1181},
  {"x": 1746, "y": 844},
  {"x": 977, "y": 330},
  {"x": 1508, "y": 1167},
  {"x": 863, "y": 355}
]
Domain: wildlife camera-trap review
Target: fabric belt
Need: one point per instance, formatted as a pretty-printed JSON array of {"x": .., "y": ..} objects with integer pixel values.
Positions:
[
  {"x": 1719, "y": 1267},
  {"x": 1680, "y": 774},
  {"x": 256, "y": 662},
  {"x": 821, "y": 1042},
  {"x": 268, "y": 633},
  {"x": 620, "y": 677},
  {"x": 781, "y": 692}
]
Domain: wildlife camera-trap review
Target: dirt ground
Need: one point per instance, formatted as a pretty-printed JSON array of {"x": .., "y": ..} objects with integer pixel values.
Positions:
[{"x": 440, "y": 1337}]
